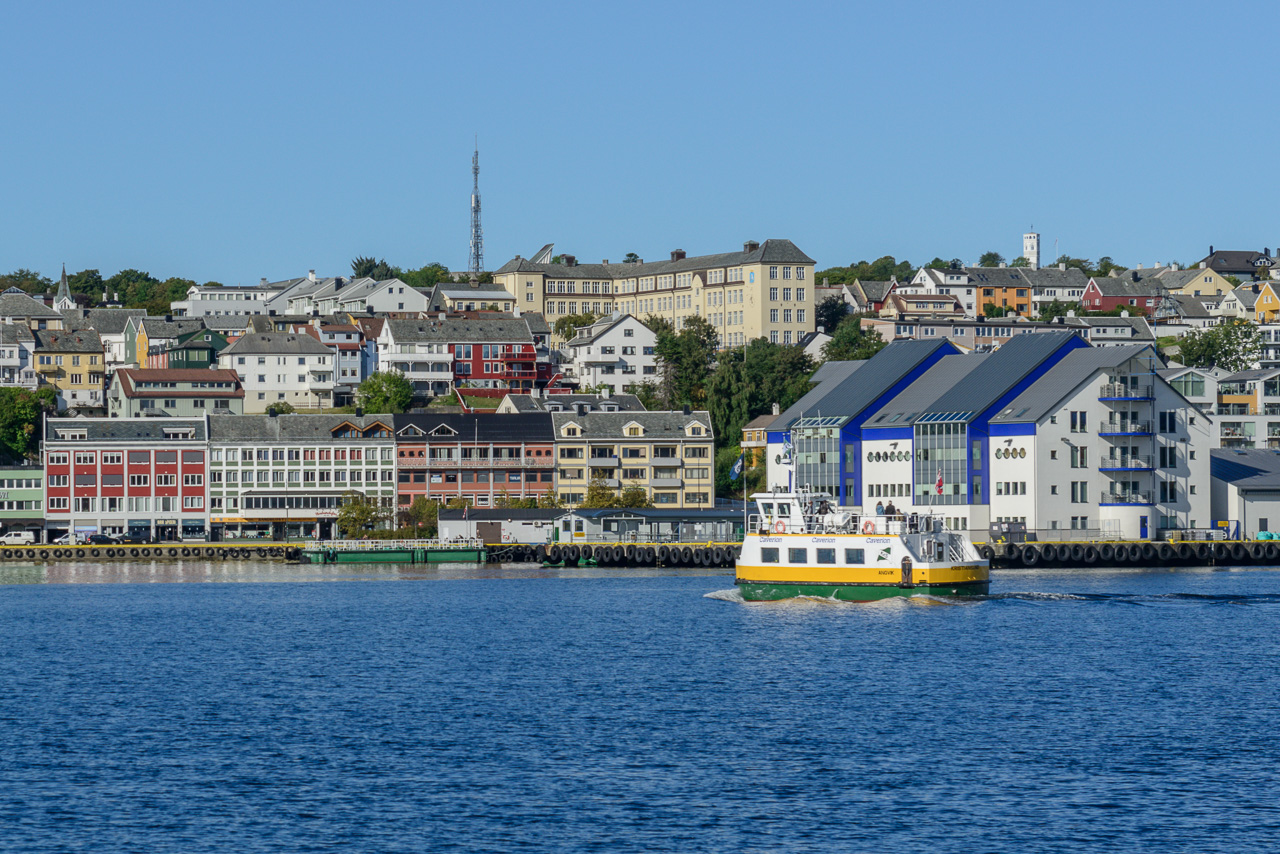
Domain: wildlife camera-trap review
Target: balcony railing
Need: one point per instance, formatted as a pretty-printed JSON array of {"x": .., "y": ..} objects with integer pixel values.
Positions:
[
  {"x": 1124, "y": 428},
  {"x": 1123, "y": 391},
  {"x": 611, "y": 462},
  {"x": 1129, "y": 463},
  {"x": 494, "y": 463},
  {"x": 1125, "y": 498}
]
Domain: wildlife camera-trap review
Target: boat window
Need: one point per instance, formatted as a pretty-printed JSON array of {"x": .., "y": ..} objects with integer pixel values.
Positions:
[
  {"x": 768, "y": 555},
  {"x": 852, "y": 556},
  {"x": 766, "y": 508},
  {"x": 826, "y": 555},
  {"x": 784, "y": 509},
  {"x": 797, "y": 555}
]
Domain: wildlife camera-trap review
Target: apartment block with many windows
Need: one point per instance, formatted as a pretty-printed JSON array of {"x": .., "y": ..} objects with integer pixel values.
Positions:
[
  {"x": 764, "y": 291},
  {"x": 142, "y": 476},
  {"x": 671, "y": 455}
]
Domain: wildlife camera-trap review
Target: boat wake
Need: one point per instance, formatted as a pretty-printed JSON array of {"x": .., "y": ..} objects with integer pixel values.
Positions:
[{"x": 1024, "y": 597}]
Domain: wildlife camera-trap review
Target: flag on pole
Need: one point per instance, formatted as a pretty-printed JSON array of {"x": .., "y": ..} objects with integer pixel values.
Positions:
[
  {"x": 736, "y": 471},
  {"x": 939, "y": 480}
]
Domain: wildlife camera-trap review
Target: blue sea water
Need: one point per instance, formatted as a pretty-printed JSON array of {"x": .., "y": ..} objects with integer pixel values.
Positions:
[{"x": 400, "y": 709}]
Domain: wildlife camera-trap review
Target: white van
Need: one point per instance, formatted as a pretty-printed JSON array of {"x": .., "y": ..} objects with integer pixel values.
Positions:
[{"x": 18, "y": 538}]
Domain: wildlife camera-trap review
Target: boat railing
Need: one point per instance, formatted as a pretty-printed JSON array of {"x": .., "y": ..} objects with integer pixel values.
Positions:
[
  {"x": 916, "y": 523},
  {"x": 460, "y": 543}
]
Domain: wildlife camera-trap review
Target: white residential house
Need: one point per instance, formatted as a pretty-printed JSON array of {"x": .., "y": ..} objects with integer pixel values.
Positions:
[
  {"x": 221, "y": 301},
  {"x": 615, "y": 352},
  {"x": 17, "y": 365},
  {"x": 281, "y": 368},
  {"x": 420, "y": 351}
]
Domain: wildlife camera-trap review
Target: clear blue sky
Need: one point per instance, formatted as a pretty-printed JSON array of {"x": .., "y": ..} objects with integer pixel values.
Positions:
[{"x": 264, "y": 139}]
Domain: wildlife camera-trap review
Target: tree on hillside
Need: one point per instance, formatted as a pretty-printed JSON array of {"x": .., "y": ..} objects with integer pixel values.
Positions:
[
  {"x": 990, "y": 259},
  {"x": 26, "y": 280},
  {"x": 831, "y": 311},
  {"x": 567, "y": 327},
  {"x": 880, "y": 270},
  {"x": 1234, "y": 346},
  {"x": 1106, "y": 266},
  {"x": 87, "y": 283},
  {"x": 684, "y": 362},
  {"x": 747, "y": 382},
  {"x": 1020, "y": 261},
  {"x": 385, "y": 391},
  {"x": 20, "y": 418},
  {"x": 363, "y": 267},
  {"x": 428, "y": 276},
  {"x": 938, "y": 264},
  {"x": 851, "y": 342},
  {"x": 1057, "y": 308}
]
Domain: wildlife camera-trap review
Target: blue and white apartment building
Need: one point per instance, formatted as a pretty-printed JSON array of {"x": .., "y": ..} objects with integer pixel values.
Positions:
[{"x": 1046, "y": 430}]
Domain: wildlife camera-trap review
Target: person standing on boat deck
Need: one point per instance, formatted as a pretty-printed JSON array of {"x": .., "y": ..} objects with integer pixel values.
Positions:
[
  {"x": 890, "y": 510},
  {"x": 879, "y": 508}
]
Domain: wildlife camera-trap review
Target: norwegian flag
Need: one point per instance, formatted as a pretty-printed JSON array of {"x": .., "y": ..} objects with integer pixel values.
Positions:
[{"x": 939, "y": 480}]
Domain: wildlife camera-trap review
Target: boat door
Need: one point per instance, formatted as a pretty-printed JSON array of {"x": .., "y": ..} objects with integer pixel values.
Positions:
[
  {"x": 1142, "y": 527},
  {"x": 906, "y": 573}
]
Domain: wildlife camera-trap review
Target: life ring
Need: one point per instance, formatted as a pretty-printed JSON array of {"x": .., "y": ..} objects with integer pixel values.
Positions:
[
  {"x": 779, "y": 527},
  {"x": 869, "y": 527}
]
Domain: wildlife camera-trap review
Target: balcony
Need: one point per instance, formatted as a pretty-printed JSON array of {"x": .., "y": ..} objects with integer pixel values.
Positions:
[
  {"x": 1127, "y": 463},
  {"x": 1124, "y": 498},
  {"x": 494, "y": 463},
  {"x": 48, "y": 369},
  {"x": 609, "y": 462},
  {"x": 666, "y": 482},
  {"x": 424, "y": 371},
  {"x": 1123, "y": 391},
  {"x": 515, "y": 357},
  {"x": 1125, "y": 428}
]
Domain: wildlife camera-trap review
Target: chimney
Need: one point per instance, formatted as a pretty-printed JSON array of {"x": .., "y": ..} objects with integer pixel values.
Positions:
[
  {"x": 686, "y": 410},
  {"x": 359, "y": 412},
  {"x": 605, "y": 393},
  {"x": 1062, "y": 266},
  {"x": 315, "y": 312},
  {"x": 1003, "y": 265},
  {"x": 1071, "y": 312},
  {"x": 1124, "y": 313},
  {"x": 271, "y": 312},
  {"x": 826, "y": 281},
  {"x": 605, "y": 261},
  {"x": 474, "y": 282},
  {"x": 776, "y": 409},
  {"x": 311, "y": 275},
  {"x": 677, "y": 255},
  {"x": 750, "y": 246},
  {"x": 1134, "y": 273},
  {"x": 168, "y": 318},
  {"x": 1210, "y": 248},
  {"x": 115, "y": 297},
  {"x": 271, "y": 412},
  {"x": 263, "y": 282},
  {"x": 570, "y": 261}
]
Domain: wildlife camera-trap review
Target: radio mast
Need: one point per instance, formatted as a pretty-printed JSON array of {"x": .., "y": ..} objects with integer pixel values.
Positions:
[{"x": 476, "y": 262}]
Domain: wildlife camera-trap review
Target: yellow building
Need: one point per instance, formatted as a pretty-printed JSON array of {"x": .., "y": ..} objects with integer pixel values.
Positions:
[
  {"x": 670, "y": 454},
  {"x": 73, "y": 363},
  {"x": 1267, "y": 306},
  {"x": 1194, "y": 282},
  {"x": 764, "y": 291}
]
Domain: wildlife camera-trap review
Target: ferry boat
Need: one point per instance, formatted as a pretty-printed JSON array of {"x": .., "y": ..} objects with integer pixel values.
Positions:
[{"x": 801, "y": 544}]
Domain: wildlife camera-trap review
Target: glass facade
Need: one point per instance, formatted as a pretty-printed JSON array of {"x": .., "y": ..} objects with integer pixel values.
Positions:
[{"x": 941, "y": 450}]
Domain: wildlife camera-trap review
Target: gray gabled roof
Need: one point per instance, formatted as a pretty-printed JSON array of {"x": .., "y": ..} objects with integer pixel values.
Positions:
[
  {"x": 1247, "y": 469},
  {"x": 158, "y": 327},
  {"x": 22, "y": 305},
  {"x": 289, "y": 428},
  {"x": 657, "y": 425},
  {"x": 104, "y": 321},
  {"x": 835, "y": 370},
  {"x": 461, "y": 329},
  {"x": 1061, "y": 381},
  {"x": 126, "y": 429},
  {"x": 286, "y": 343},
  {"x": 917, "y": 397},
  {"x": 73, "y": 341},
  {"x": 564, "y": 402},
  {"x": 1007, "y": 366},
  {"x": 770, "y": 252},
  {"x": 860, "y": 388}
]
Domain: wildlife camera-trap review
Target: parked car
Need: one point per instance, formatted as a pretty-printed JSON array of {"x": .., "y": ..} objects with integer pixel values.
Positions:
[
  {"x": 134, "y": 539},
  {"x": 18, "y": 538},
  {"x": 67, "y": 539},
  {"x": 100, "y": 540}
]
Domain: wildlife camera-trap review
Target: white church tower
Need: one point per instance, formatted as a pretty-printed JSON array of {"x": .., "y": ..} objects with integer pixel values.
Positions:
[
  {"x": 1031, "y": 249},
  {"x": 63, "y": 300}
]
